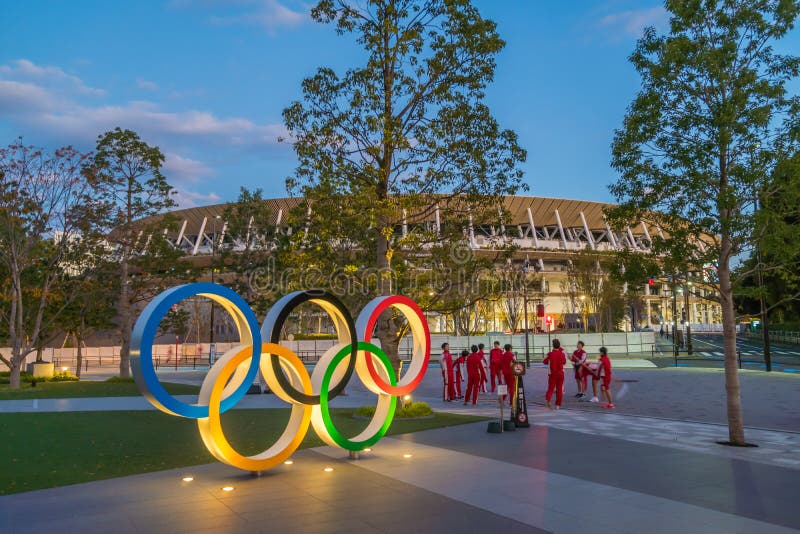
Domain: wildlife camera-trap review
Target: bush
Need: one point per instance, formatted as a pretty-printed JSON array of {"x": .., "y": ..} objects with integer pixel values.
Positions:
[
  {"x": 5, "y": 377},
  {"x": 413, "y": 409},
  {"x": 62, "y": 376},
  {"x": 120, "y": 380}
]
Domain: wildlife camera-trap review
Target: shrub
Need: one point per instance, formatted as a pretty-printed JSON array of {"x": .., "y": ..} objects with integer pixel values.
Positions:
[
  {"x": 119, "y": 379},
  {"x": 413, "y": 409},
  {"x": 62, "y": 376}
]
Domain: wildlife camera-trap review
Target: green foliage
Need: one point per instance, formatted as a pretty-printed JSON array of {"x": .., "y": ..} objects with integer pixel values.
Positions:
[
  {"x": 707, "y": 128},
  {"x": 778, "y": 249},
  {"x": 384, "y": 146},
  {"x": 251, "y": 226},
  {"x": 58, "y": 376},
  {"x": 134, "y": 194},
  {"x": 176, "y": 322},
  {"x": 63, "y": 376},
  {"x": 49, "y": 221},
  {"x": 404, "y": 411},
  {"x": 701, "y": 141}
]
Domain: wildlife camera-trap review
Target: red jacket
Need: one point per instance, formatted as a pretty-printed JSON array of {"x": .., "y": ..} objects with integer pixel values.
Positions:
[
  {"x": 447, "y": 364},
  {"x": 495, "y": 356},
  {"x": 578, "y": 357},
  {"x": 556, "y": 359},
  {"x": 458, "y": 363},
  {"x": 475, "y": 365},
  {"x": 604, "y": 369},
  {"x": 506, "y": 361}
]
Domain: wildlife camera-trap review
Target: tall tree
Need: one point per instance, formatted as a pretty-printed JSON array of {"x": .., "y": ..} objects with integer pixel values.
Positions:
[
  {"x": 385, "y": 144},
  {"x": 246, "y": 250},
  {"x": 127, "y": 171},
  {"x": 779, "y": 247},
  {"x": 700, "y": 140},
  {"x": 46, "y": 219},
  {"x": 88, "y": 295}
]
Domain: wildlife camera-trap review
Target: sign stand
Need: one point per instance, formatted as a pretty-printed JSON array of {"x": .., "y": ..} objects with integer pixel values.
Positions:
[{"x": 520, "y": 412}]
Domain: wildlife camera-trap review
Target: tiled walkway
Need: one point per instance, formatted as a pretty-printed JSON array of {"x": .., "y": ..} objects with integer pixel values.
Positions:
[
  {"x": 774, "y": 447},
  {"x": 457, "y": 479},
  {"x": 580, "y": 469}
]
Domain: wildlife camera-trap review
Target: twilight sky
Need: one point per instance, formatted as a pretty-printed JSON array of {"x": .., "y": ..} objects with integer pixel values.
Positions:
[{"x": 206, "y": 81}]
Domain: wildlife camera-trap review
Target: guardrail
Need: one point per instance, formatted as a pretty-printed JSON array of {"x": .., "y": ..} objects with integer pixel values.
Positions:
[{"x": 779, "y": 336}]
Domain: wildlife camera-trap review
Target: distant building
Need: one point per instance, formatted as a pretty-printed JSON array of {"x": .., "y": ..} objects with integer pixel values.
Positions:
[{"x": 548, "y": 232}]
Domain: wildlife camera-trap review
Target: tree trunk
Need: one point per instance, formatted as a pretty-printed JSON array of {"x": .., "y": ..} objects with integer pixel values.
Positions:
[
  {"x": 385, "y": 329},
  {"x": 124, "y": 312},
  {"x": 15, "y": 380},
  {"x": 732, "y": 389},
  {"x": 79, "y": 357}
]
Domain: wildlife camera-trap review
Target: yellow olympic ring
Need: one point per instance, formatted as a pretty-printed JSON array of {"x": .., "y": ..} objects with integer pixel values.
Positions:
[{"x": 211, "y": 394}]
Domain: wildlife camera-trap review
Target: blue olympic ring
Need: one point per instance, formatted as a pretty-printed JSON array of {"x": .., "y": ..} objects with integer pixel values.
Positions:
[{"x": 146, "y": 328}]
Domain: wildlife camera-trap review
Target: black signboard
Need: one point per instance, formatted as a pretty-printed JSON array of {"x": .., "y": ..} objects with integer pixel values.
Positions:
[{"x": 521, "y": 406}]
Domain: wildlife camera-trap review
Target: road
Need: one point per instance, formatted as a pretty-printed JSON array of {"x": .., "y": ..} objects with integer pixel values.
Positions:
[{"x": 708, "y": 351}]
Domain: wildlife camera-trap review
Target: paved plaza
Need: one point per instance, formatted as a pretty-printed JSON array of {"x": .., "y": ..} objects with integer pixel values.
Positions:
[{"x": 652, "y": 465}]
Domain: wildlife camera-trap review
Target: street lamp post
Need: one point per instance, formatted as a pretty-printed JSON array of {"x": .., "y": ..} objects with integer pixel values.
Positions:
[
  {"x": 762, "y": 303},
  {"x": 525, "y": 305},
  {"x": 688, "y": 317},
  {"x": 674, "y": 318},
  {"x": 583, "y": 313}
]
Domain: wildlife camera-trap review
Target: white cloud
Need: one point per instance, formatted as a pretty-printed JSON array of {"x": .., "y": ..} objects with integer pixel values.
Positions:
[
  {"x": 190, "y": 199},
  {"x": 633, "y": 21},
  {"x": 26, "y": 70},
  {"x": 48, "y": 106},
  {"x": 147, "y": 85},
  {"x": 271, "y": 15},
  {"x": 52, "y": 110},
  {"x": 185, "y": 170}
]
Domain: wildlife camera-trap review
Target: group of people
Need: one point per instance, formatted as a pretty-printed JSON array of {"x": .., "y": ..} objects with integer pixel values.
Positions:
[
  {"x": 476, "y": 365},
  {"x": 600, "y": 371},
  {"x": 500, "y": 372}
]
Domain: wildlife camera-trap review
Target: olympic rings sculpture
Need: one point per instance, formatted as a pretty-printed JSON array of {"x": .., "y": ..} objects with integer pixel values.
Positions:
[{"x": 309, "y": 395}]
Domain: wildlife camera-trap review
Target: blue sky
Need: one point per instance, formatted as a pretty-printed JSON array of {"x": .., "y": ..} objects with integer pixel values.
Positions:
[{"x": 206, "y": 81}]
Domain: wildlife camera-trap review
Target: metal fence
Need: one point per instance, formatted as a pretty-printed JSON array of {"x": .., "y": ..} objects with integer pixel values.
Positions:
[{"x": 778, "y": 336}]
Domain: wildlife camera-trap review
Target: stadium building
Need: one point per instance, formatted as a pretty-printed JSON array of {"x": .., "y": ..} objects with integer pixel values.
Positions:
[{"x": 547, "y": 233}]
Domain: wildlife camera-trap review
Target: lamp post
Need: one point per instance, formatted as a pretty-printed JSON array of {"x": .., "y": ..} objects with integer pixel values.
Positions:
[
  {"x": 762, "y": 303},
  {"x": 211, "y": 354},
  {"x": 583, "y": 312},
  {"x": 674, "y": 318},
  {"x": 525, "y": 305},
  {"x": 688, "y": 317}
]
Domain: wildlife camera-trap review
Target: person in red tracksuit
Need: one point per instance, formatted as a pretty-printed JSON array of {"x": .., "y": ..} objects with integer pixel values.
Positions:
[
  {"x": 447, "y": 373},
  {"x": 495, "y": 356},
  {"x": 485, "y": 366},
  {"x": 577, "y": 359},
  {"x": 475, "y": 374},
  {"x": 506, "y": 362},
  {"x": 556, "y": 359},
  {"x": 457, "y": 364},
  {"x": 603, "y": 373}
]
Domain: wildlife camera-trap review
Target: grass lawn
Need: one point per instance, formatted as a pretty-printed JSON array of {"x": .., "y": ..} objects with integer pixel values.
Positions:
[
  {"x": 55, "y": 449},
  {"x": 57, "y": 390}
]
